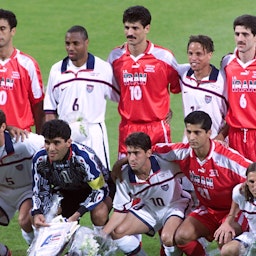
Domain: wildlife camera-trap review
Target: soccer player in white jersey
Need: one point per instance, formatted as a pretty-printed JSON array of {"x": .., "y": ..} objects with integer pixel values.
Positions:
[
  {"x": 16, "y": 178},
  {"x": 202, "y": 84},
  {"x": 244, "y": 198},
  {"x": 203, "y": 88},
  {"x": 21, "y": 87},
  {"x": 240, "y": 71},
  {"x": 77, "y": 92},
  {"x": 149, "y": 196}
]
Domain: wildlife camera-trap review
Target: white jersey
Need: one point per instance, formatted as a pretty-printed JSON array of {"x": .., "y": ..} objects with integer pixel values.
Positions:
[
  {"x": 79, "y": 96},
  {"x": 161, "y": 189},
  {"x": 248, "y": 208},
  {"x": 16, "y": 172},
  {"x": 208, "y": 95}
]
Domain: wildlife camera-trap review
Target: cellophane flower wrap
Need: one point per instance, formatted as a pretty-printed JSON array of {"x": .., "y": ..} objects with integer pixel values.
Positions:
[{"x": 87, "y": 242}]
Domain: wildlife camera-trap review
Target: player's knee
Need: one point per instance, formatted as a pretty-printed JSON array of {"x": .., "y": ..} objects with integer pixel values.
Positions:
[
  {"x": 167, "y": 239},
  {"x": 182, "y": 236},
  {"x": 25, "y": 223},
  {"x": 99, "y": 215},
  {"x": 230, "y": 249}
]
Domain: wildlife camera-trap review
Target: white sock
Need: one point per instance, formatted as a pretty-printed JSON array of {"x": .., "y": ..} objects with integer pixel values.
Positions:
[
  {"x": 97, "y": 229},
  {"x": 172, "y": 251},
  {"x": 127, "y": 243},
  {"x": 3, "y": 250},
  {"x": 28, "y": 236}
]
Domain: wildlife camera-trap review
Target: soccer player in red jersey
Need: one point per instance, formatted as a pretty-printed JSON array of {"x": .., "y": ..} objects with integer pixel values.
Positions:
[
  {"x": 21, "y": 87},
  {"x": 214, "y": 171},
  {"x": 240, "y": 70},
  {"x": 145, "y": 74}
]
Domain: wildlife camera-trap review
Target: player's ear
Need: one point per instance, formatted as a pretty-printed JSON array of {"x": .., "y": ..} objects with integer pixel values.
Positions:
[{"x": 149, "y": 152}]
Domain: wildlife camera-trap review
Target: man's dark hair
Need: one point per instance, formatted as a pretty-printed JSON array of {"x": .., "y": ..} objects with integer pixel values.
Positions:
[
  {"x": 248, "y": 195},
  {"x": 137, "y": 14},
  {"x": 2, "y": 117},
  {"x": 56, "y": 128},
  {"x": 247, "y": 21},
  {"x": 79, "y": 29},
  {"x": 9, "y": 16},
  {"x": 139, "y": 140},
  {"x": 199, "y": 117},
  {"x": 205, "y": 41}
]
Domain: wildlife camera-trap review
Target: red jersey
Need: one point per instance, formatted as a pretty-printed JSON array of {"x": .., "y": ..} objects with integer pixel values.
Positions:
[
  {"x": 213, "y": 178},
  {"x": 144, "y": 82},
  {"x": 241, "y": 84},
  {"x": 20, "y": 88}
]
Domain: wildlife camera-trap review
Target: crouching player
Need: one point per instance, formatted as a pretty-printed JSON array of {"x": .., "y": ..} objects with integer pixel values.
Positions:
[{"x": 160, "y": 201}]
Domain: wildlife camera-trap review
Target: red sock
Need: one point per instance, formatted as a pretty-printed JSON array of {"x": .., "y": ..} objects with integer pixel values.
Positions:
[{"x": 193, "y": 248}]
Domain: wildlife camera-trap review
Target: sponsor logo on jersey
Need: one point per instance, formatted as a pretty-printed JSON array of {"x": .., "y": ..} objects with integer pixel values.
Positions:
[
  {"x": 149, "y": 68},
  {"x": 15, "y": 75},
  {"x": 7, "y": 83},
  {"x": 243, "y": 85},
  {"x": 208, "y": 98},
  {"x": 19, "y": 167},
  {"x": 89, "y": 88},
  {"x": 165, "y": 187}
]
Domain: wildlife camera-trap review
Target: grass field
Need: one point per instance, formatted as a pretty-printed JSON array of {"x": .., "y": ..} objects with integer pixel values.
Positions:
[{"x": 42, "y": 25}]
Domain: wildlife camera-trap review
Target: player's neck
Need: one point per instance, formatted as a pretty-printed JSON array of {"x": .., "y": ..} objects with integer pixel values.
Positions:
[
  {"x": 247, "y": 56},
  {"x": 6, "y": 52},
  {"x": 200, "y": 74},
  {"x": 138, "y": 49}
]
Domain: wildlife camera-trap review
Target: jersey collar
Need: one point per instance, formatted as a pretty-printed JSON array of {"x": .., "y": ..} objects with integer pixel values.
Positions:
[
  {"x": 213, "y": 76},
  {"x": 8, "y": 143},
  {"x": 154, "y": 167}
]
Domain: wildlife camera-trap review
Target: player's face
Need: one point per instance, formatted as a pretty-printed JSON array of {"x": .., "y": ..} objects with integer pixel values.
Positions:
[
  {"x": 57, "y": 148},
  {"x": 198, "y": 138},
  {"x": 138, "y": 159},
  {"x": 135, "y": 33},
  {"x": 77, "y": 48},
  {"x": 251, "y": 183},
  {"x": 245, "y": 40},
  {"x": 198, "y": 57},
  {"x": 6, "y": 33}
]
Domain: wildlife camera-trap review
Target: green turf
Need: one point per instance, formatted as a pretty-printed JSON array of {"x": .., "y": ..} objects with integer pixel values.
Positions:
[{"x": 42, "y": 25}]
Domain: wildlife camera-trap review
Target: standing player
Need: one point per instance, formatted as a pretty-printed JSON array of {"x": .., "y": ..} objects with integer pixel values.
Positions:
[
  {"x": 73, "y": 170},
  {"x": 145, "y": 74},
  {"x": 21, "y": 88},
  {"x": 240, "y": 70},
  {"x": 202, "y": 84},
  {"x": 202, "y": 87},
  {"x": 151, "y": 182},
  {"x": 77, "y": 92},
  {"x": 244, "y": 196},
  {"x": 16, "y": 178},
  {"x": 214, "y": 170}
]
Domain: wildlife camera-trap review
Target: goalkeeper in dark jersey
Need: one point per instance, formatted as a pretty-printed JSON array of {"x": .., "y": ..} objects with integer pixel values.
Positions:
[{"x": 74, "y": 171}]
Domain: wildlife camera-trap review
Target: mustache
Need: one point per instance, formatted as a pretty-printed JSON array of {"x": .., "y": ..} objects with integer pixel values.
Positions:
[{"x": 131, "y": 36}]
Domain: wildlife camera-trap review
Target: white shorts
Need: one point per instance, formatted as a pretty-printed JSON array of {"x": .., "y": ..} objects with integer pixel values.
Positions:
[
  {"x": 155, "y": 217},
  {"x": 11, "y": 200},
  {"x": 246, "y": 238},
  {"x": 94, "y": 136}
]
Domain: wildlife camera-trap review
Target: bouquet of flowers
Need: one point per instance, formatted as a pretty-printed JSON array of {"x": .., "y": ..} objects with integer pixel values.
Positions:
[{"x": 87, "y": 242}]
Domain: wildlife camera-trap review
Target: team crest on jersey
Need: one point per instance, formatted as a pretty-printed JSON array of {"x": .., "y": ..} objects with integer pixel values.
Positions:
[
  {"x": 89, "y": 88},
  {"x": 165, "y": 187},
  {"x": 19, "y": 167},
  {"x": 207, "y": 98}
]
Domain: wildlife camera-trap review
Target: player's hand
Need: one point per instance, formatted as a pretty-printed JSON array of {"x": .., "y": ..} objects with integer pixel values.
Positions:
[
  {"x": 39, "y": 221},
  {"x": 116, "y": 172},
  {"x": 17, "y": 133},
  {"x": 224, "y": 233}
]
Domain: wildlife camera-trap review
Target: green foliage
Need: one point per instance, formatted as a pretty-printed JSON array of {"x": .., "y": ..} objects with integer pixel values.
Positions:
[{"x": 42, "y": 25}]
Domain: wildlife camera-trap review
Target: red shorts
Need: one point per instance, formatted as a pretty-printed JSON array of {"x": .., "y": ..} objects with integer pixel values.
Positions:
[
  {"x": 159, "y": 132},
  {"x": 212, "y": 219},
  {"x": 243, "y": 140}
]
